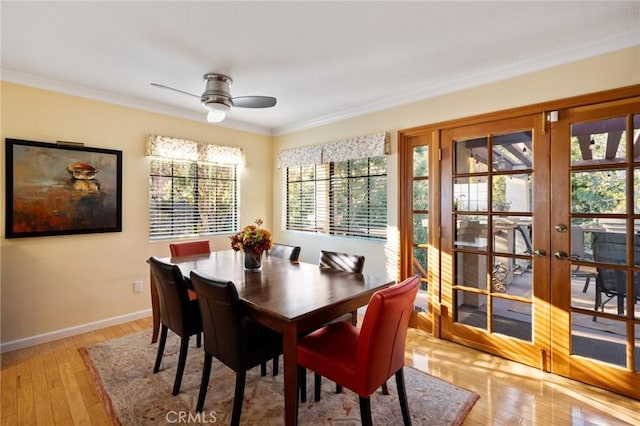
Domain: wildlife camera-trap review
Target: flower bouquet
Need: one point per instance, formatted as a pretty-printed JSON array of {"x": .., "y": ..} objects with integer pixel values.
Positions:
[{"x": 254, "y": 241}]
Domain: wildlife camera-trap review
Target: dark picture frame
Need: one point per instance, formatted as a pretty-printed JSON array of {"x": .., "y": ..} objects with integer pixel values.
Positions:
[{"x": 61, "y": 189}]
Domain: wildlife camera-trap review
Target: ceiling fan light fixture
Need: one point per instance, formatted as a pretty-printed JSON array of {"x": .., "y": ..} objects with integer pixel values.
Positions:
[
  {"x": 215, "y": 116},
  {"x": 217, "y": 106}
]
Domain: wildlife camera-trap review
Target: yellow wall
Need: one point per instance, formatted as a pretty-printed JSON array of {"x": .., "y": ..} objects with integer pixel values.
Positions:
[
  {"x": 614, "y": 70},
  {"x": 51, "y": 284},
  {"x": 54, "y": 283}
]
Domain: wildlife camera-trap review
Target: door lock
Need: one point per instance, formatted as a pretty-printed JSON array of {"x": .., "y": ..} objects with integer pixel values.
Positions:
[
  {"x": 539, "y": 253},
  {"x": 562, "y": 255},
  {"x": 561, "y": 227}
]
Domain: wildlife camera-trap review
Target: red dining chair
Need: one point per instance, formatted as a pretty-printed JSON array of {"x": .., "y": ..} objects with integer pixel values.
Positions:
[
  {"x": 178, "y": 312},
  {"x": 362, "y": 359},
  {"x": 189, "y": 248}
]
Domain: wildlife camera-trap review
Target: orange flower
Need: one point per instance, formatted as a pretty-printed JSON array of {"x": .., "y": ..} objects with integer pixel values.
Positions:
[{"x": 253, "y": 238}]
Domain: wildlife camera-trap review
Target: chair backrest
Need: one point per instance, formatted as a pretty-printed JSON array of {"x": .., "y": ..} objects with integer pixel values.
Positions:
[
  {"x": 223, "y": 320},
  {"x": 611, "y": 247},
  {"x": 342, "y": 261},
  {"x": 380, "y": 350},
  {"x": 285, "y": 251},
  {"x": 173, "y": 298},
  {"x": 189, "y": 248}
]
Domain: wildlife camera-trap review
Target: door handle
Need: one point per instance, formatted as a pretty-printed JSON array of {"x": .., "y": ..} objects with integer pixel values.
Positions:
[
  {"x": 539, "y": 253},
  {"x": 562, "y": 255}
]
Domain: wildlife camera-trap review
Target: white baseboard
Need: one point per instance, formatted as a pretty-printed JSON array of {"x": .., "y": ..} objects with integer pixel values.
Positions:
[{"x": 71, "y": 331}]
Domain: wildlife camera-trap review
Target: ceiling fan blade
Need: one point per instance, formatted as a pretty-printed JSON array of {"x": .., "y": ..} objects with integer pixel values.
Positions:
[
  {"x": 162, "y": 86},
  {"x": 253, "y": 101}
]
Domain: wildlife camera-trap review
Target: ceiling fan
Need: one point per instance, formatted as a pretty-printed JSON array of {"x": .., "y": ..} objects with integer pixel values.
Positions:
[{"x": 217, "y": 97}]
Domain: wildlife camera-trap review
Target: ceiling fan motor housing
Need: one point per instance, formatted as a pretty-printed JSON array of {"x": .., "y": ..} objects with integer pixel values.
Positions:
[{"x": 217, "y": 96}]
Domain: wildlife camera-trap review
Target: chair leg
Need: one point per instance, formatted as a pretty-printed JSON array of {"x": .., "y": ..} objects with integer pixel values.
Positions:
[
  {"x": 402, "y": 396},
  {"x": 317, "y": 386},
  {"x": 385, "y": 389},
  {"x": 204, "y": 383},
  {"x": 182, "y": 361},
  {"x": 338, "y": 388},
  {"x": 163, "y": 340},
  {"x": 237, "y": 398},
  {"x": 198, "y": 339},
  {"x": 263, "y": 369},
  {"x": 275, "y": 365},
  {"x": 302, "y": 383},
  {"x": 365, "y": 411}
]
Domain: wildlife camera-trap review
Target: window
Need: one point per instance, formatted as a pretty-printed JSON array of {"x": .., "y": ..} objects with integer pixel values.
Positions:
[
  {"x": 189, "y": 198},
  {"x": 193, "y": 188},
  {"x": 347, "y": 198}
]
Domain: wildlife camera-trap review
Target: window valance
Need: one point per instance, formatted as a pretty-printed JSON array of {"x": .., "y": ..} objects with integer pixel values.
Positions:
[
  {"x": 354, "y": 148},
  {"x": 302, "y": 156},
  {"x": 181, "y": 149},
  {"x": 343, "y": 150}
]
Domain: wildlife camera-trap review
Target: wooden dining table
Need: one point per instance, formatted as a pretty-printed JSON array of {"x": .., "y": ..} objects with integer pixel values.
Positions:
[{"x": 289, "y": 297}]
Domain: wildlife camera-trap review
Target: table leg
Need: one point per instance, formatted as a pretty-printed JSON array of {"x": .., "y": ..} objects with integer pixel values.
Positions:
[
  {"x": 289, "y": 352},
  {"x": 155, "y": 309}
]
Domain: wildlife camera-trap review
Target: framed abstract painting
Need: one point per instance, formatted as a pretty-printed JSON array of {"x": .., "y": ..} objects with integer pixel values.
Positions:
[{"x": 61, "y": 189}]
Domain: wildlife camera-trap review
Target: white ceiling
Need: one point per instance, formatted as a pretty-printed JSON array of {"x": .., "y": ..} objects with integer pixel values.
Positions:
[{"x": 323, "y": 61}]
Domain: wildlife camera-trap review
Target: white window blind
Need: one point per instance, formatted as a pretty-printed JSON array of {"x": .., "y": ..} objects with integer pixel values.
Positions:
[
  {"x": 347, "y": 198},
  {"x": 193, "y": 188}
]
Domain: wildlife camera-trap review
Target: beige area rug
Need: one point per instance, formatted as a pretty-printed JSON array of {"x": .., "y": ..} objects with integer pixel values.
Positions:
[{"x": 122, "y": 371}]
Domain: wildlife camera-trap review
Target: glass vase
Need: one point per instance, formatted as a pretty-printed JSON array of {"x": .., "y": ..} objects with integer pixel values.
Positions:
[{"x": 252, "y": 260}]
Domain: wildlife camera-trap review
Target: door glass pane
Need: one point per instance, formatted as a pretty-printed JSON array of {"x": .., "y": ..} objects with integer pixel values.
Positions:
[
  {"x": 509, "y": 277},
  {"x": 471, "y": 156},
  {"x": 636, "y": 192},
  {"x": 512, "y": 318},
  {"x": 581, "y": 229},
  {"x": 420, "y": 244},
  {"x": 471, "y": 270},
  {"x": 471, "y": 232},
  {"x": 512, "y": 193},
  {"x": 636, "y": 138},
  {"x": 636, "y": 251},
  {"x": 512, "y": 234},
  {"x": 637, "y": 346},
  {"x": 420, "y": 207},
  {"x": 470, "y": 193},
  {"x": 421, "y": 194},
  {"x": 598, "y": 192},
  {"x": 512, "y": 151},
  {"x": 611, "y": 283},
  {"x": 471, "y": 309},
  {"x": 421, "y": 161},
  {"x": 598, "y": 142},
  {"x": 604, "y": 339}
]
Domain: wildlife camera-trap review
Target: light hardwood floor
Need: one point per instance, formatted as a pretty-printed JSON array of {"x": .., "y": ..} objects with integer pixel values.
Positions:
[{"x": 50, "y": 385}]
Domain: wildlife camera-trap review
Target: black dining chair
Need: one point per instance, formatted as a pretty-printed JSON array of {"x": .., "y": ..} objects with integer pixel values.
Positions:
[
  {"x": 178, "y": 312},
  {"x": 235, "y": 340},
  {"x": 342, "y": 262},
  {"x": 285, "y": 251}
]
